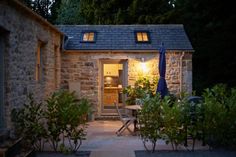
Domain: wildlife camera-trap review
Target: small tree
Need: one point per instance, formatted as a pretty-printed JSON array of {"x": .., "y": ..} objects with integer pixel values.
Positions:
[
  {"x": 29, "y": 123},
  {"x": 76, "y": 131},
  {"x": 173, "y": 125},
  {"x": 66, "y": 117},
  {"x": 54, "y": 126},
  {"x": 192, "y": 118},
  {"x": 150, "y": 121}
]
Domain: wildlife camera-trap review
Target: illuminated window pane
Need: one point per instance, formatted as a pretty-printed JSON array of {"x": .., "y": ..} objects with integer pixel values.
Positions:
[
  {"x": 145, "y": 37},
  {"x": 88, "y": 37},
  {"x": 85, "y": 37},
  {"x": 139, "y": 37},
  {"x": 142, "y": 37},
  {"x": 91, "y": 37}
]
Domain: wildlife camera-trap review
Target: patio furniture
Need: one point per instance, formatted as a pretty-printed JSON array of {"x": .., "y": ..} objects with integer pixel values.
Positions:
[
  {"x": 125, "y": 119},
  {"x": 134, "y": 109}
]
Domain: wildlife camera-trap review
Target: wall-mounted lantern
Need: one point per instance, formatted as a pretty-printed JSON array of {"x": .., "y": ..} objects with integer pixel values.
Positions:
[{"x": 144, "y": 66}]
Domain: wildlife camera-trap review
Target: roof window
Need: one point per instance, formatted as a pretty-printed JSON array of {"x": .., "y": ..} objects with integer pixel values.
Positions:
[
  {"x": 142, "y": 37},
  {"x": 88, "y": 36}
]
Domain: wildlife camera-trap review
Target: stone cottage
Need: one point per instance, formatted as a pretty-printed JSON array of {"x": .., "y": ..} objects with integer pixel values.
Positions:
[
  {"x": 98, "y": 60},
  {"x": 95, "y": 61}
]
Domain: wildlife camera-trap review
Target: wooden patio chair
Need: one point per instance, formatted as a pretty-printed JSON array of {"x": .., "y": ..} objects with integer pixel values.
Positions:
[{"x": 125, "y": 119}]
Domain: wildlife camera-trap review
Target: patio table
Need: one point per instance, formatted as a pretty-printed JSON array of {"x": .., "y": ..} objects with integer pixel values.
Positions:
[{"x": 134, "y": 109}]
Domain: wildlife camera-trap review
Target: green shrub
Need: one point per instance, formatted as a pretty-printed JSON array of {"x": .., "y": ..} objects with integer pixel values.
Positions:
[
  {"x": 63, "y": 118},
  {"x": 66, "y": 117},
  {"x": 231, "y": 132},
  {"x": 219, "y": 116},
  {"x": 29, "y": 123},
  {"x": 171, "y": 119},
  {"x": 173, "y": 124},
  {"x": 213, "y": 120},
  {"x": 150, "y": 121},
  {"x": 142, "y": 88}
]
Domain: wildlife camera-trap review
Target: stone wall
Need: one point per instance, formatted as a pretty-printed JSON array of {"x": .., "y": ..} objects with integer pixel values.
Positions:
[
  {"x": 84, "y": 68},
  {"x": 24, "y": 32}
]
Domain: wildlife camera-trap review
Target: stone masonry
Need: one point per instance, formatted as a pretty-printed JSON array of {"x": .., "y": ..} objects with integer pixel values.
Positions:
[
  {"x": 85, "y": 69},
  {"x": 24, "y": 31}
]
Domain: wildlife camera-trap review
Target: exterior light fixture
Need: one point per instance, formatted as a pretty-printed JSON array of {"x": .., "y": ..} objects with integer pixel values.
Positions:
[
  {"x": 142, "y": 59},
  {"x": 144, "y": 66}
]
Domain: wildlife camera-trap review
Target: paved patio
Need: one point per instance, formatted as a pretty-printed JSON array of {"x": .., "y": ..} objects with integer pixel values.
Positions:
[{"x": 102, "y": 141}]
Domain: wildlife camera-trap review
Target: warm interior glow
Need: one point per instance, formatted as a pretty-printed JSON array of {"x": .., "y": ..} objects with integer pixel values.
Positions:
[
  {"x": 139, "y": 36},
  {"x": 142, "y": 36},
  {"x": 88, "y": 36},
  {"x": 145, "y": 37},
  {"x": 112, "y": 69},
  {"x": 91, "y": 36}
]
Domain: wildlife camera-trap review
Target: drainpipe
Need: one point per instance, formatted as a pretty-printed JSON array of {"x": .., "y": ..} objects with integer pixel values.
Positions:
[{"x": 181, "y": 73}]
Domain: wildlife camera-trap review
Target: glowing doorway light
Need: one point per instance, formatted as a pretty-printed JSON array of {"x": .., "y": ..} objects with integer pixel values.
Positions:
[{"x": 144, "y": 66}]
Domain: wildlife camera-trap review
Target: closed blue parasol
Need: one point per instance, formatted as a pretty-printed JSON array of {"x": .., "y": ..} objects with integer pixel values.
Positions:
[{"x": 162, "y": 86}]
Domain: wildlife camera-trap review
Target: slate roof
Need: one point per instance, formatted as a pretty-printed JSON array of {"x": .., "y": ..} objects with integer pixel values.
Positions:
[{"x": 122, "y": 37}]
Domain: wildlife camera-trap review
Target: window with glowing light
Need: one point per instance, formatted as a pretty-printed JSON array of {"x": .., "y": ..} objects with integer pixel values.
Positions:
[
  {"x": 142, "y": 37},
  {"x": 88, "y": 36}
]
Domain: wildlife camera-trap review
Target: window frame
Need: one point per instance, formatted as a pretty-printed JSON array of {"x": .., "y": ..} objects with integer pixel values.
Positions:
[
  {"x": 39, "y": 62},
  {"x": 56, "y": 65},
  {"x": 88, "y": 41},
  {"x": 142, "y": 31}
]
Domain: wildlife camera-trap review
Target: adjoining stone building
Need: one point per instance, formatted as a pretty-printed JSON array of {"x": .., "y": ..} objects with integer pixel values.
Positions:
[
  {"x": 30, "y": 57},
  {"x": 96, "y": 61}
]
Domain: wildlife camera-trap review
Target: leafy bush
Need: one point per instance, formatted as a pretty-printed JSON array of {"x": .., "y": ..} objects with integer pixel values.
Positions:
[
  {"x": 219, "y": 116},
  {"x": 150, "y": 121},
  {"x": 192, "y": 119},
  {"x": 63, "y": 118},
  {"x": 75, "y": 133},
  {"x": 173, "y": 124},
  {"x": 170, "y": 119},
  {"x": 142, "y": 88},
  {"x": 66, "y": 117},
  {"x": 29, "y": 123}
]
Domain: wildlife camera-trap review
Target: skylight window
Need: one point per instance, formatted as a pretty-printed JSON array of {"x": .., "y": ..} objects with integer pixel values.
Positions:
[
  {"x": 88, "y": 37},
  {"x": 142, "y": 37}
]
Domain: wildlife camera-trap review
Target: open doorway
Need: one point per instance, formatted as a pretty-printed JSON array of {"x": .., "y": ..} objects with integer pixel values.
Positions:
[{"x": 114, "y": 78}]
